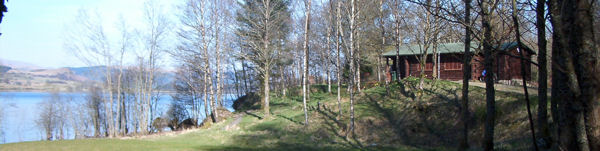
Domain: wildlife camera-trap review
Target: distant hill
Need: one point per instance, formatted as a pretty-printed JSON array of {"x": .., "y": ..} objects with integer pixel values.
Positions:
[
  {"x": 64, "y": 79},
  {"x": 21, "y": 76},
  {"x": 96, "y": 73},
  {"x": 4, "y": 69},
  {"x": 92, "y": 73},
  {"x": 41, "y": 80},
  {"x": 18, "y": 64}
]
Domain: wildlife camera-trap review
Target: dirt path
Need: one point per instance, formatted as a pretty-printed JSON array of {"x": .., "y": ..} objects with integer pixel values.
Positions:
[
  {"x": 234, "y": 123},
  {"x": 504, "y": 87},
  {"x": 160, "y": 134}
]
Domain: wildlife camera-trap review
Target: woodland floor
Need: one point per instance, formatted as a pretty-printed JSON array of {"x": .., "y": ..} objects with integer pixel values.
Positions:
[{"x": 403, "y": 119}]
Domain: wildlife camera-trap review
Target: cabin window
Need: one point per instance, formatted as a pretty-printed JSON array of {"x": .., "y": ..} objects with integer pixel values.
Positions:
[
  {"x": 453, "y": 66},
  {"x": 429, "y": 66}
]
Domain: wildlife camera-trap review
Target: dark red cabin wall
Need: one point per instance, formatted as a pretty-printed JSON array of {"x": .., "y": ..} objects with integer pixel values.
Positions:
[
  {"x": 506, "y": 67},
  {"x": 446, "y": 61}
]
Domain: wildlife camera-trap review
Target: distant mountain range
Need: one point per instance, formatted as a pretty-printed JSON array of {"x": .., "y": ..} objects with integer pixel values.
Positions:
[
  {"x": 18, "y": 64},
  {"x": 18, "y": 76}
]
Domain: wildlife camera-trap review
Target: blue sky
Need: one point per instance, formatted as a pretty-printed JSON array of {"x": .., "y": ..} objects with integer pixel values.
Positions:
[{"x": 33, "y": 30}]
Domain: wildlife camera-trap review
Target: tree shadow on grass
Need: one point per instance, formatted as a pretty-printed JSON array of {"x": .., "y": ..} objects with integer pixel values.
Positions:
[
  {"x": 402, "y": 87},
  {"x": 289, "y": 119},
  {"x": 394, "y": 119},
  {"x": 275, "y": 134},
  {"x": 253, "y": 115},
  {"x": 338, "y": 128},
  {"x": 423, "y": 124}
]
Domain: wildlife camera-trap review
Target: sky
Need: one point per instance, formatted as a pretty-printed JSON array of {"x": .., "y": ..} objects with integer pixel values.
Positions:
[{"x": 33, "y": 30}]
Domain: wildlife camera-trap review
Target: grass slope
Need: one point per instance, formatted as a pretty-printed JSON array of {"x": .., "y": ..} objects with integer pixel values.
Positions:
[{"x": 399, "y": 121}]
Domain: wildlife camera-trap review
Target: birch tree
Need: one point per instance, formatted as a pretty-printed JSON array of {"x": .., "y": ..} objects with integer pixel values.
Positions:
[
  {"x": 124, "y": 46},
  {"x": 157, "y": 26},
  {"x": 352, "y": 17},
  {"x": 382, "y": 18},
  {"x": 90, "y": 43},
  {"x": 397, "y": 15},
  {"x": 338, "y": 38},
  {"x": 307, "y": 4}
]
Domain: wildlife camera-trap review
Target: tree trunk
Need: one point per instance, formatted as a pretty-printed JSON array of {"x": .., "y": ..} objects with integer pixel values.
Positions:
[
  {"x": 266, "y": 52},
  {"x": 245, "y": 77},
  {"x": 434, "y": 60},
  {"x": 282, "y": 81},
  {"x": 382, "y": 48},
  {"x": 236, "y": 80},
  {"x": 338, "y": 64},
  {"x": 109, "y": 103},
  {"x": 305, "y": 60},
  {"x": 488, "y": 140},
  {"x": 120, "y": 101},
  {"x": 398, "y": 40},
  {"x": 464, "y": 142},
  {"x": 422, "y": 64},
  {"x": 543, "y": 128},
  {"x": 219, "y": 99},
  {"x": 588, "y": 67},
  {"x": 576, "y": 65},
  {"x": 266, "y": 94},
  {"x": 123, "y": 117},
  {"x": 328, "y": 53},
  {"x": 205, "y": 95},
  {"x": 213, "y": 106},
  {"x": 352, "y": 69},
  {"x": 523, "y": 71},
  {"x": 556, "y": 90},
  {"x": 358, "y": 81},
  {"x": 96, "y": 118}
]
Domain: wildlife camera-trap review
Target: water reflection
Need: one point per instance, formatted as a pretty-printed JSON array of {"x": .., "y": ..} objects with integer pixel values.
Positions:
[{"x": 21, "y": 110}]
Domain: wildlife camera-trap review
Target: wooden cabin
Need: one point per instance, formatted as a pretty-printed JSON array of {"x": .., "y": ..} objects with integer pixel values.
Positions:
[{"x": 507, "y": 65}]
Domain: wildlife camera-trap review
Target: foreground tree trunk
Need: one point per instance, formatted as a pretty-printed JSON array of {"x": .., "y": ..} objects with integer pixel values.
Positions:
[
  {"x": 543, "y": 128},
  {"x": 488, "y": 52},
  {"x": 464, "y": 142},
  {"x": 352, "y": 17},
  {"x": 576, "y": 81}
]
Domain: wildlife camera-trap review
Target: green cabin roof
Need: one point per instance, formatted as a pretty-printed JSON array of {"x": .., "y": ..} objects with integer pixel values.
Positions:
[{"x": 409, "y": 50}]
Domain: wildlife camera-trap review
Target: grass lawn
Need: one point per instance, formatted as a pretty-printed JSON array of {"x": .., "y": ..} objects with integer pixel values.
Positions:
[{"x": 404, "y": 119}]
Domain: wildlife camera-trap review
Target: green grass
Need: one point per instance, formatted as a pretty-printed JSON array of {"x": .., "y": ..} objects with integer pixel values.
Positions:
[{"x": 404, "y": 119}]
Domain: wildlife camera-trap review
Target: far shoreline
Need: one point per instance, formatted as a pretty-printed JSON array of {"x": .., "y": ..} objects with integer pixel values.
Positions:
[{"x": 50, "y": 91}]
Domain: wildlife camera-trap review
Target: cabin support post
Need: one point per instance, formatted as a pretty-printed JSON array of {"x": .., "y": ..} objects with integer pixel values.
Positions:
[
  {"x": 406, "y": 66},
  {"x": 387, "y": 69}
]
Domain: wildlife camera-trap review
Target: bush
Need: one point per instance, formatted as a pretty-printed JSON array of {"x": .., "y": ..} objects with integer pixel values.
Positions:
[{"x": 250, "y": 101}]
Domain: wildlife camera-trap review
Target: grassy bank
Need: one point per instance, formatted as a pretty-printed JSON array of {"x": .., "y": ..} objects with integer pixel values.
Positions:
[{"x": 403, "y": 119}]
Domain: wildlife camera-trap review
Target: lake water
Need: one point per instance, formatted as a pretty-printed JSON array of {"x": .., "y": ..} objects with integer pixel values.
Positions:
[{"x": 20, "y": 111}]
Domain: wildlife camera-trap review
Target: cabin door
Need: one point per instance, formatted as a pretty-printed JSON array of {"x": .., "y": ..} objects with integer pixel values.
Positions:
[{"x": 403, "y": 65}]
